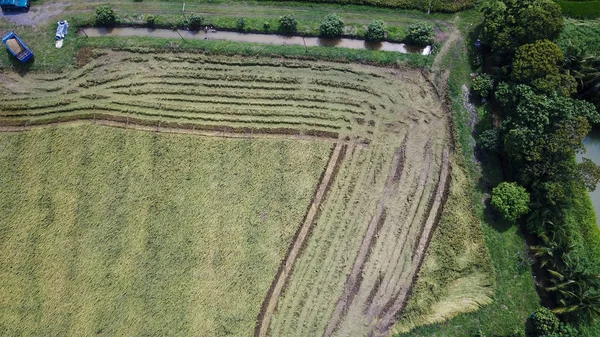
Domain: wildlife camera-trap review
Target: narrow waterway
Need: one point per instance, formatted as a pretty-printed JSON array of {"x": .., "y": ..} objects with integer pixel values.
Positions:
[
  {"x": 592, "y": 151},
  {"x": 273, "y": 39}
]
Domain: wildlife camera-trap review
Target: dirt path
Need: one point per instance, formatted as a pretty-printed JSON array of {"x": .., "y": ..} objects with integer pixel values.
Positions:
[
  {"x": 37, "y": 14},
  {"x": 270, "y": 303},
  {"x": 172, "y": 130}
]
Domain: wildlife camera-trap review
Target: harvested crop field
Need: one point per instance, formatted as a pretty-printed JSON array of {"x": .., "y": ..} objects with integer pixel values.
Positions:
[
  {"x": 122, "y": 232},
  {"x": 343, "y": 265}
]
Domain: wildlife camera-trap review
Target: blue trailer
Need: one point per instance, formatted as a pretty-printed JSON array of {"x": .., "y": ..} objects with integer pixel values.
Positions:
[
  {"x": 17, "y": 47},
  {"x": 14, "y": 5}
]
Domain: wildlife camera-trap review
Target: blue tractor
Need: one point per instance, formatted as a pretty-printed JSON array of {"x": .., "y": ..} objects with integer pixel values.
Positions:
[{"x": 14, "y": 5}]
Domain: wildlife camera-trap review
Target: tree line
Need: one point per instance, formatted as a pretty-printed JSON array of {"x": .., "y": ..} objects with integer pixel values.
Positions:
[{"x": 546, "y": 101}]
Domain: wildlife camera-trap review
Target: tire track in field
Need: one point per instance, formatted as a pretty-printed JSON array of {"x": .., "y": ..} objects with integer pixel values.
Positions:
[
  {"x": 385, "y": 322},
  {"x": 166, "y": 129},
  {"x": 354, "y": 279},
  {"x": 270, "y": 303}
]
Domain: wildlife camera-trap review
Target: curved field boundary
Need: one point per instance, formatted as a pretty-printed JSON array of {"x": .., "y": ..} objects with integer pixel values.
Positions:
[
  {"x": 194, "y": 129},
  {"x": 287, "y": 265}
]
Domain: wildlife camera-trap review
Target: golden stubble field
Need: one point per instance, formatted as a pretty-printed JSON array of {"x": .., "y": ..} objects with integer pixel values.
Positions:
[{"x": 380, "y": 138}]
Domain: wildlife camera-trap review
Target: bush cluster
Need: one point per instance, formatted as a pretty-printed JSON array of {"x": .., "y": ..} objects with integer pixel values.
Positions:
[
  {"x": 376, "y": 31},
  {"x": 420, "y": 34},
  {"x": 287, "y": 24},
  {"x": 333, "y": 26},
  {"x": 483, "y": 85},
  {"x": 105, "y": 16},
  {"x": 195, "y": 21}
]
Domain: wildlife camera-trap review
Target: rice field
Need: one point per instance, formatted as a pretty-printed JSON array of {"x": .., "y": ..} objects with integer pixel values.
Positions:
[
  {"x": 108, "y": 231},
  {"x": 342, "y": 264}
]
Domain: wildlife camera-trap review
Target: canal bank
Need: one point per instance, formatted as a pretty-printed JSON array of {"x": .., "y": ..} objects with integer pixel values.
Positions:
[{"x": 272, "y": 39}]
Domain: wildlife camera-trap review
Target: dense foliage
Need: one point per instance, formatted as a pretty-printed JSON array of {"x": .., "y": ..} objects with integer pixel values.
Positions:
[
  {"x": 105, "y": 16},
  {"x": 376, "y": 31},
  {"x": 544, "y": 321},
  {"x": 542, "y": 130},
  {"x": 483, "y": 85},
  {"x": 580, "y": 9},
  {"x": 333, "y": 26},
  {"x": 510, "y": 200},
  {"x": 511, "y": 23},
  {"x": 538, "y": 64},
  {"x": 420, "y": 34},
  {"x": 287, "y": 24}
]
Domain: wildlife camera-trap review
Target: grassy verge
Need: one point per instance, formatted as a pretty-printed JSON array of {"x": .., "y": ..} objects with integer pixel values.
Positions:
[
  {"x": 122, "y": 232},
  {"x": 47, "y": 57}
]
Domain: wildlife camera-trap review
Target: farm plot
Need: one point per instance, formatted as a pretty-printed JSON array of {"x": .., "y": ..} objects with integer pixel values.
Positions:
[
  {"x": 355, "y": 256},
  {"x": 121, "y": 232}
]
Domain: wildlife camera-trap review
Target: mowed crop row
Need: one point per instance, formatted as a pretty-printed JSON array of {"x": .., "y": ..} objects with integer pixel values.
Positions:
[
  {"x": 370, "y": 238},
  {"x": 199, "y": 91},
  {"x": 353, "y": 271}
]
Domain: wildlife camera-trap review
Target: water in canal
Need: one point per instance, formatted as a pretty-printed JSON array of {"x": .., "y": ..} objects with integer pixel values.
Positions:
[
  {"x": 592, "y": 151},
  {"x": 273, "y": 39}
]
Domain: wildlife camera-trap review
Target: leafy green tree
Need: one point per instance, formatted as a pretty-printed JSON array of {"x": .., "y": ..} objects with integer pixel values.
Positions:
[
  {"x": 510, "y": 200},
  {"x": 288, "y": 24},
  {"x": 420, "y": 34},
  {"x": 542, "y": 133},
  {"x": 483, "y": 85},
  {"x": 490, "y": 140},
  {"x": 195, "y": 21},
  {"x": 545, "y": 321},
  {"x": 376, "y": 31},
  {"x": 105, "y": 16},
  {"x": 589, "y": 174},
  {"x": 509, "y": 24},
  {"x": 332, "y": 26},
  {"x": 538, "y": 64}
]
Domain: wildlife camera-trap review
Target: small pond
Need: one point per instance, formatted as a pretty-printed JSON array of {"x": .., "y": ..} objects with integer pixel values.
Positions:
[{"x": 273, "y": 39}]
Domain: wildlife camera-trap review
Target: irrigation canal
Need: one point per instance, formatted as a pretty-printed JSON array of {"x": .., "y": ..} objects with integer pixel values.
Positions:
[
  {"x": 273, "y": 39},
  {"x": 592, "y": 151}
]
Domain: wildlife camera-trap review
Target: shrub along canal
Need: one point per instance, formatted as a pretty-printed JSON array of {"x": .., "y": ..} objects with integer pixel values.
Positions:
[{"x": 273, "y": 39}]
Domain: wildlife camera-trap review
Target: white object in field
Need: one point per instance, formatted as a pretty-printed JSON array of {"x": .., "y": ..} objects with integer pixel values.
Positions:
[
  {"x": 426, "y": 51},
  {"x": 61, "y": 31},
  {"x": 58, "y": 43}
]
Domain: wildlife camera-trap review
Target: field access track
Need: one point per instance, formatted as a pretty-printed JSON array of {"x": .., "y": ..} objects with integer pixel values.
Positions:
[{"x": 355, "y": 257}]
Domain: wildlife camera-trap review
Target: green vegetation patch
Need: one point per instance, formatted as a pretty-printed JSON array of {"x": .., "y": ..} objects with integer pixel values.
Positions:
[
  {"x": 583, "y": 34},
  {"x": 424, "y": 5},
  {"x": 123, "y": 232},
  {"x": 580, "y": 9}
]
